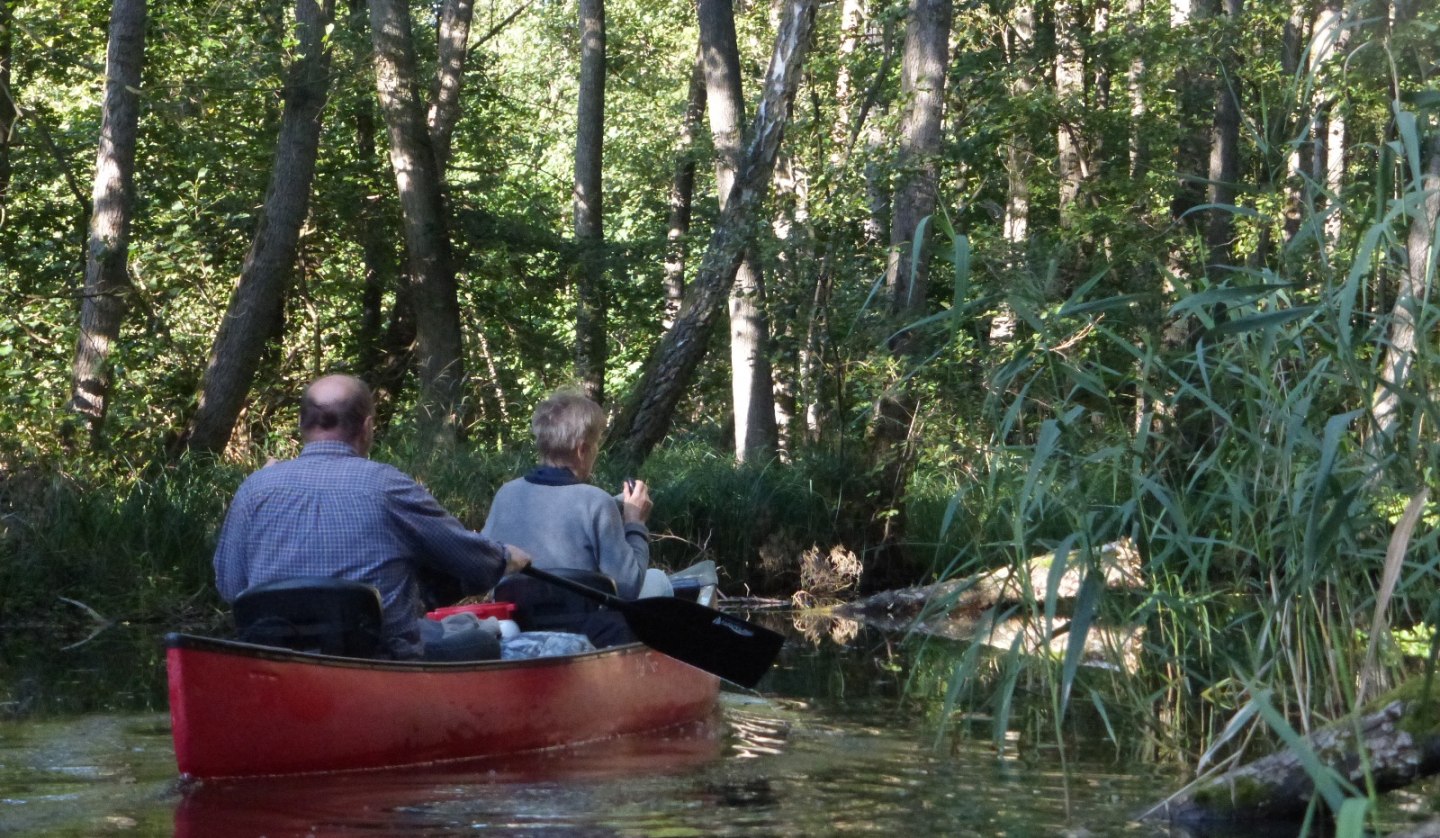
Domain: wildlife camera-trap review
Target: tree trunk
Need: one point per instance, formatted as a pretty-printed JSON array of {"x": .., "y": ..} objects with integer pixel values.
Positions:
[
  {"x": 1070, "y": 93},
  {"x": 438, "y": 348},
  {"x": 852, "y": 28},
  {"x": 7, "y": 104},
  {"x": 877, "y": 190},
  {"x": 376, "y": 250},
  {"x": 1225, "y": 143},
  {"x": 1136, "y": 78},
  {"x": 1377, "y": 748},
  {"x": 1402, "y": 344},
  {"x": 107, "y": 277},
  {"x": 259, "y": 298},
  {"x": 451, "y": 49},
  {"x": 647, "y": 413},
  {"x": 1195, "y": 118},
  {"x": 384, "y": 350},
  {"x": 1019, "y": 156},
  {"x": 590, "y": 309},
  {"x": 682, "y": 194},
  {"x": 1327, "y": 57},
  {"x": 751, "y": 382},
  {"x": 922, "y": 87}
]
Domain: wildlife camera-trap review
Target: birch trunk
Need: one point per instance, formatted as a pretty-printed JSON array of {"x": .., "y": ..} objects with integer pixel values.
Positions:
[
  {"x": 1401, "y": 344},
  {"x": 107, "y": 278},
  {"x": 751, "y": 381}
]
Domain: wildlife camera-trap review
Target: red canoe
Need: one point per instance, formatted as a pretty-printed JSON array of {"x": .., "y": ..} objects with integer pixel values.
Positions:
[{"x": 243, "y": 710}]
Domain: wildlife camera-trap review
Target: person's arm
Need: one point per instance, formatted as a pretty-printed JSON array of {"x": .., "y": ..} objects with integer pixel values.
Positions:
[
  {"x": 443, "y": 543},
  {"x": 230, "y": 576},
  {"x": 625, "y": 542}
]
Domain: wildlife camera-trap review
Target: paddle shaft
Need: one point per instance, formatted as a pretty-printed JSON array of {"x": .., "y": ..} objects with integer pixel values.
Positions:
[
  {"x": 608, "y": 600},
  {"x": 734, "y": 649}
]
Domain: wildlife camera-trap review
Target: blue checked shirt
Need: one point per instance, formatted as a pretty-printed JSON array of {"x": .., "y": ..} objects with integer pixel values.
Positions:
[{"x": 331, "y": 512}]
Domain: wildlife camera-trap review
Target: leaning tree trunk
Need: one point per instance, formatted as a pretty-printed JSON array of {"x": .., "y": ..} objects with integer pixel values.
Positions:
[
  {"x": 106, "y": 271},
  {"x": 438, "y": 348},
  {"x": 751, "y": 378},
  {"x": 259, "y": 298},
  {"x": 590, "y": 309},
  {"x": 646, "y": 416}
]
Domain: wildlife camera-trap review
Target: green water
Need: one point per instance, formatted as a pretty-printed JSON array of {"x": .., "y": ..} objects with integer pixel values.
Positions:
[{"x": 829, "y": 745}]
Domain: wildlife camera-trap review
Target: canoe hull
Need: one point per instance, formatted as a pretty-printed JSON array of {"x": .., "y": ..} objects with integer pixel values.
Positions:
[{"x": 242, "y": 710}]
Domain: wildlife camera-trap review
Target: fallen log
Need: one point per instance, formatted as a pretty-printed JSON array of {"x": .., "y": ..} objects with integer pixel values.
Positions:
[
  {"x": 1118, "y": 562},
  {"x": 1429, "y": 829},
  {"x": 1396, "y": 744},
  {"x": 975, "y": 610}
]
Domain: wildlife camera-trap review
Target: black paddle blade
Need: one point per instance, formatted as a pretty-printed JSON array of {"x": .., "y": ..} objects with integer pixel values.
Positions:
[{"x": 734, "y": 649}]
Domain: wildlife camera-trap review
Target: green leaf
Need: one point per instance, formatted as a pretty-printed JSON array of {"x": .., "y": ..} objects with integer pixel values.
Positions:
[
  {"x": 1263, "y": 321},
  {"x": 1086, "y": 607}
]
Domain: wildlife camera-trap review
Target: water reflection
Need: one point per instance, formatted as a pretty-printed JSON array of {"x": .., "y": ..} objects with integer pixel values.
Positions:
[
  {"x": 558, "y": 791},
  {"x": 840, "y": 740}
]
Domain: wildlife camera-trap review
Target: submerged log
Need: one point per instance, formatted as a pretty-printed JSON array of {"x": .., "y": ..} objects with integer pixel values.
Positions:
[
  {"x": 974, "y": 609},
  {"x": 961, "y": 599},
  {"x": 1396, "y": 745}
]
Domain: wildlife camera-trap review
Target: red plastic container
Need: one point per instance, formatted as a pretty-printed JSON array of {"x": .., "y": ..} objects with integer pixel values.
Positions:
[{"x": 498, "y": 610}]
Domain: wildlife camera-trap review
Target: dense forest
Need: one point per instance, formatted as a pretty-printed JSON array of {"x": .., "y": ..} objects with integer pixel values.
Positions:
[{"x": 875, "y": 293}]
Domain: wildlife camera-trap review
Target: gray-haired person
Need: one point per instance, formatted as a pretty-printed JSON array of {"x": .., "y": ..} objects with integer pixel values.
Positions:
[
  {"x": 334, "y": 512},
  {"x": 563, "y": 521}
]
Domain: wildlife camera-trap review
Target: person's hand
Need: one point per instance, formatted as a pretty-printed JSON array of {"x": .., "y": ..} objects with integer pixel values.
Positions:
[
  {"x": 635, "y": 503},
  {"x": 516, "y": 560}
]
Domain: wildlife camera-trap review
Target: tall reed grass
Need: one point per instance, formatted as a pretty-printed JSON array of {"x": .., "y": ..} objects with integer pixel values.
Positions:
[{"x": 1244, "y": 461}]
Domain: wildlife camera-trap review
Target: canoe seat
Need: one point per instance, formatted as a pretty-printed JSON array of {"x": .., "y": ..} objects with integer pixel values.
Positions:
[
  {"x": 312, "y": 614},
  {"x": 540, "y": 606}
]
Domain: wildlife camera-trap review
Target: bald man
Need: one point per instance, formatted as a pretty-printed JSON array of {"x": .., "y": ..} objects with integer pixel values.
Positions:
[{"x": 334, "y": 512}]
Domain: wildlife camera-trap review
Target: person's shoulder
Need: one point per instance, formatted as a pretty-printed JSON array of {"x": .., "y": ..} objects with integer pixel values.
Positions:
[
  {"x": 590, "y": 496},
  {"x": 385, "y": 473},
  {"x": 514, "y": 485}
]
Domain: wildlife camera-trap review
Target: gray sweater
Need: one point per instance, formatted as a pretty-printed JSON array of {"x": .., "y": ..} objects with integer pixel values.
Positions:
[{"x": 577, "y": 526}]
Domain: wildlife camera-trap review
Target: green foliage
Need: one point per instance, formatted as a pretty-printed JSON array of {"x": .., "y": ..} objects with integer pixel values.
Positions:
[
  {"x": 1238, "y": 456},
  {"x": 1082, "y": 383}
]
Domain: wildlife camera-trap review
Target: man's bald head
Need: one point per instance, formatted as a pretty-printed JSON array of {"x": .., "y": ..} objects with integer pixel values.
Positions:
[{"x": 338, "y": 407}]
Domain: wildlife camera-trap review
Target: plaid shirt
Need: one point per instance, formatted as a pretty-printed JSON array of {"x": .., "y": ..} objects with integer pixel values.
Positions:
[{"x": 331, "y": 512}]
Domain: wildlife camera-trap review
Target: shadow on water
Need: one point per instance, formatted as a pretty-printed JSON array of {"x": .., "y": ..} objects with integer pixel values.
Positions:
[{"x": 831, "y": 744}]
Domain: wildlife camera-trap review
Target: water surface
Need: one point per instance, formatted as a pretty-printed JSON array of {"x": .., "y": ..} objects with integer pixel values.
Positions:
[{"x": 829, "y": 745}]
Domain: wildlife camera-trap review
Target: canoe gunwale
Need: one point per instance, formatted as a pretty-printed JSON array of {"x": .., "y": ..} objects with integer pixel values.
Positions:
[{"x": 197, "y": 642}]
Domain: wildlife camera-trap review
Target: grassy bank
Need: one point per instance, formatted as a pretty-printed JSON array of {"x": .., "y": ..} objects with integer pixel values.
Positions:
[{"x": 138, "y": 541}]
